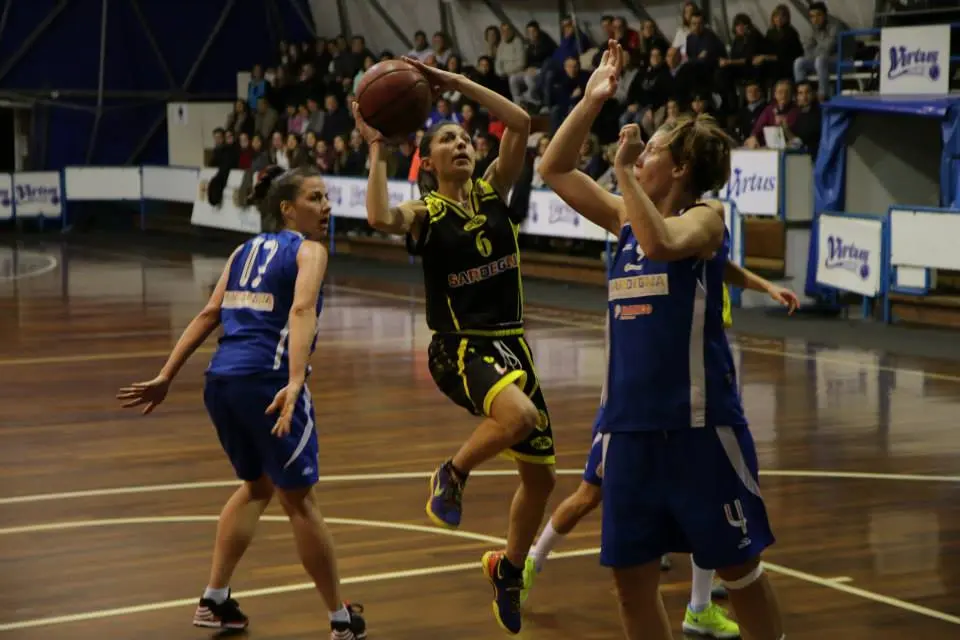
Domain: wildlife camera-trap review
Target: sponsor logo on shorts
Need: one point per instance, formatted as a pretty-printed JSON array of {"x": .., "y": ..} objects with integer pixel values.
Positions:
[{"x": 542, "y": 443}]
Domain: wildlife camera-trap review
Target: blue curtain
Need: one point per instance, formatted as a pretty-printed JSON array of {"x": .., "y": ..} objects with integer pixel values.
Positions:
[{"x": 829, "y": 178}]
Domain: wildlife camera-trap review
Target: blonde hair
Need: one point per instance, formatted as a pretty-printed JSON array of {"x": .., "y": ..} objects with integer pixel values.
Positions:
[{"x": 699, "y": 143}]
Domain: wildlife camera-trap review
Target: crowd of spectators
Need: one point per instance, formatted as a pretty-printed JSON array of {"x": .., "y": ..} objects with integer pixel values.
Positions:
[{"x": 297, "y": 110}]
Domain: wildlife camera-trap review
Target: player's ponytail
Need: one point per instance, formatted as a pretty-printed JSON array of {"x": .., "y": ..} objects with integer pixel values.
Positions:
[
  {"x": 704, "y": 147},
  {"x": 274, "y": 186}
]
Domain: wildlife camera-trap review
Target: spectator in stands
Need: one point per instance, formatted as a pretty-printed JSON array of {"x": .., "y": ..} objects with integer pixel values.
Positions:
[
  {"x": 296, "y": 155},
  {"x": 704, "y": 50},
  {"x": 244, "y": 152},
  {"x": 224, "y": 156},
  {"x": 784, "y": 48},
  {"x": 420, "y": 49},
  {"x": 280, "y": 90},
  {"x": 278, "y": 151},
  {"x": 491, "y": 41},
  {"x": 471, "y": 121},
  {"x": 310, "y": 144},
  {"x": 358, "y": 152},
  {"x": 702, "y": 104},
  {"x": 749, "y": 113},
  {"x": 315, "y": 116},
  {"x": 260, "y": 159},
  {"x": 628, "y": 38},
  {"x": 337, "y": 120},
  {"x": 239, "y": 120},
  {"x": 819, "y": 50},
  {"x": 266, "y": 119},
  {"x": 682, "y": 78},
  {"x": 606, "y": 24},
  {"x": 567, "y": 90},
  {"x": 631, "y": 71},
  {"x": 358, "y": 52},
  {"x": 257, "y": 87},
  {"x": 680, "y": 38},
  {"x": 485, "y": 77},
  {"x": 454, "y": 97},
  {"x": 542, "y": 142},
  {"x": 782, "y": 112},
  {"x": 288, "y": 115},
  {"x": 805, "y": 132},
  {"x": 647, "y": 95},
  {"x": 321, "y": 57},
  {"x": 343, "y": 163},
  {"x": 431, "y": 60},
  {"x": 525, "y": 87},
  {"x": 486, "y": 146},
  {"x": 573, "y": 42},
  {"x": 442, "y": 112},
  {"x": 511, "y": 54},
  {"x": 292, "y": 61},
  {"x": 441, "y": 48},
  {"x": 368, "y": 61},
  {"x": 404, "y": 158},
  {"x": 386, "y": 54},
  {"x": 650, "y": 39},
  {"x": 297, "y": 124},
  {"x": 737, "y": 67},
  {"x": 323, "y": 158},
  {"x": 591, "y": 161},
  {"x": 608, "y": 179},
  {"x": 308, "y": 84}
]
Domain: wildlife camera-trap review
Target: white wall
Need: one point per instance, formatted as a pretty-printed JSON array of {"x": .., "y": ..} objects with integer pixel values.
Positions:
[{"x": 189, "y": 136}]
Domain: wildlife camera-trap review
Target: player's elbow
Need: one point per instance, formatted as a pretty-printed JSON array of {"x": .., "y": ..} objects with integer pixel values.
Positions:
[{"x": 657, "y": 250}]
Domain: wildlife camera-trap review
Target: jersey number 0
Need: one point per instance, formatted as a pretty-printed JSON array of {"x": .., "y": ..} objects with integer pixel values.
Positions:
[{"x": 270, "y": 247}]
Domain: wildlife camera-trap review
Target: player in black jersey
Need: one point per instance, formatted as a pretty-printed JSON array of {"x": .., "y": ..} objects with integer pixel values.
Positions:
[{"x": 466, "y": 236}]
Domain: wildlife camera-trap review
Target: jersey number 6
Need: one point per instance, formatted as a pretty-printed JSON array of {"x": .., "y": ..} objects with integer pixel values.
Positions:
[{"x": 483, "y": 245}]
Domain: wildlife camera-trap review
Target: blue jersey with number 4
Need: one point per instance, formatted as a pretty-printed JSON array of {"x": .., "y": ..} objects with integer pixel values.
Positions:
[{"x": 256, "y": 307}]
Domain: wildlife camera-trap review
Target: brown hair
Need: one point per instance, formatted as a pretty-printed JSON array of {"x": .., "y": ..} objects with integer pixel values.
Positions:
[
  {"x": 274, "y": 186},
  {"x": 703, "y": 147}
]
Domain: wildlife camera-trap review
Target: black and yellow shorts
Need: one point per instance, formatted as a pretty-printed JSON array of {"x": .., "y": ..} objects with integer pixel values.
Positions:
[{"x": 471, "y": 371}]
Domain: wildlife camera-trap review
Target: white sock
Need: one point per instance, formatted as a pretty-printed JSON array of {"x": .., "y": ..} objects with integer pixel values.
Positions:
[
  {"x": 545, "y": 543},
  {"x": 702, "y": 586},
  {"x": 217, "y": 595},
  {"x": 341, "y": 615}
]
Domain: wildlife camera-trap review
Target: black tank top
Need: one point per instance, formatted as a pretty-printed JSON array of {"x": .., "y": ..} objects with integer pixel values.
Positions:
[{"x": 471, "y": 264}]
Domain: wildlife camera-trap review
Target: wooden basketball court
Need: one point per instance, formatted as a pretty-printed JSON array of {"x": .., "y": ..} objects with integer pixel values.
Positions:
[{"x": 107, "y": 518}]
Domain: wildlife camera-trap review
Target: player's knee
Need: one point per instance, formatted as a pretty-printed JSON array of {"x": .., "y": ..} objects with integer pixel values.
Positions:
[
  {"x": 637, "y": 587},
  {"x": 538, "y": 479},
  {"x": 260, "y": 489},
  {"x": 741, "y": 576},
  {"x": 297, "y": 501},
  {"x": 515, "y": 413}
]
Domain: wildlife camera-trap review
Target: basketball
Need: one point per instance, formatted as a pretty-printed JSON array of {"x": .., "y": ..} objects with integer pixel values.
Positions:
[{"x": 394, "y": 98}]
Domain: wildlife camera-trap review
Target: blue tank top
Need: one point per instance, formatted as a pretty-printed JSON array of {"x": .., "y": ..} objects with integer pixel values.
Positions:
[
  {"x": 669, "y": 364},
  {"x": 256, "y": 307}
]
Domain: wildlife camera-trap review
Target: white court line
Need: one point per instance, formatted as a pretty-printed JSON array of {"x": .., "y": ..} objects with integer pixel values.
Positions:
[
  {"x": 599, "y": 326},
  {"x": 45, "y": 269},
  {"x": 830, "y": 583},
  {"x": 862, "y": 593},
  {"x": 418, "y": 475}
]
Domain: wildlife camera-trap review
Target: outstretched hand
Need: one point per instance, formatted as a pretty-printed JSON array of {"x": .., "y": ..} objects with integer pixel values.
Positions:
[
  {"x": 786, "y": 297},
  {"x": 150, "y": 393},
  {"x": 439, "y": 79},
  {"x": 605, "y": 79}
]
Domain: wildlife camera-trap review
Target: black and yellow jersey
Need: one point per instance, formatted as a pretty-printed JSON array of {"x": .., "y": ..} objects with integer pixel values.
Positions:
[{"x": 471, "y": 264}]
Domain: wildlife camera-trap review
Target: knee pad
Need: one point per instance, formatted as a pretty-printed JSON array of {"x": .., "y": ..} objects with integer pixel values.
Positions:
[{"x": 745, "y": 581}]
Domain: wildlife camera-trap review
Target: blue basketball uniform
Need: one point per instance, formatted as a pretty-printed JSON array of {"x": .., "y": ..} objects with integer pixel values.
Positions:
[
  {"x": 679, "y": 466},
  {"x": 251, "y": 365},
  {"x": 593, "y": 473}
]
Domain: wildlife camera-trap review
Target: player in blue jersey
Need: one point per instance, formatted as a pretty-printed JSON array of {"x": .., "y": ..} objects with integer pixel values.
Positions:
[
  {"x": 679, "y": 465},
  {"x": 702, "y": 616},
  {"x": 267, "y": 300}
]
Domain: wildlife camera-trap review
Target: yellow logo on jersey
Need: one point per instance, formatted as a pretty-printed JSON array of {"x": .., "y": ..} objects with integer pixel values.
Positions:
[{"x": 475, "y": 222}]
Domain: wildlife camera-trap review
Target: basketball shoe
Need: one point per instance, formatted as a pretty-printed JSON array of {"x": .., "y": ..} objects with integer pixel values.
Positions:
[
  {"x": 356, "y": 629},
  {"x": 508, "y": 583},
  {"x": 224, "y": 615},
  {"x": 445, "y": 505}
]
